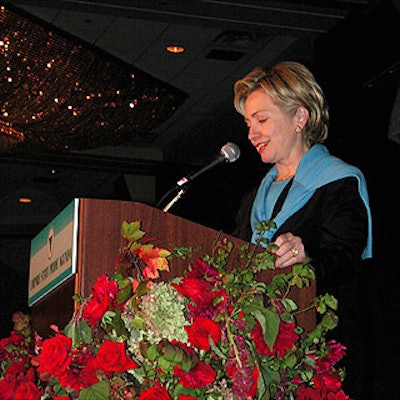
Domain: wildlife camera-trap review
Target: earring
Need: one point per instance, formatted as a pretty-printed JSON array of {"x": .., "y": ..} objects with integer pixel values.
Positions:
[{"x": 298, "y": 129}]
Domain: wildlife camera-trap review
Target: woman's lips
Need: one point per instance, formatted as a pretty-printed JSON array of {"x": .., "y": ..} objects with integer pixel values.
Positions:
[{"x": 261, "y": 146}]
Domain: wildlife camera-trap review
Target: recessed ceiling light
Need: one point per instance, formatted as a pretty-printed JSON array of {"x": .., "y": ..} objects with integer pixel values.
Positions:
[
  {"x": 175, "y": 49},
  {"x": 25, "y": 200}
]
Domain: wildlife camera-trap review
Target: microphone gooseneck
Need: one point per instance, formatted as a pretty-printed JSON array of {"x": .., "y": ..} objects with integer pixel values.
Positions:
[{"x": 229, "y": 153}]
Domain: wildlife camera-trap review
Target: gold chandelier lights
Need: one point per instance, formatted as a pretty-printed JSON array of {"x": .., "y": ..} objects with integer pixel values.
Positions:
[{"x": 57, "y": 95}]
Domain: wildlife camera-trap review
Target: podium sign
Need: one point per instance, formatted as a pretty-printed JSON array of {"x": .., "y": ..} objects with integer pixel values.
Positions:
[{"x": 53, "y": 257}]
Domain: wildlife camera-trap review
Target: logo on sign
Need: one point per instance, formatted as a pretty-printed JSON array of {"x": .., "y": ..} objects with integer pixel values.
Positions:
[{"x": 50, "y": 242}]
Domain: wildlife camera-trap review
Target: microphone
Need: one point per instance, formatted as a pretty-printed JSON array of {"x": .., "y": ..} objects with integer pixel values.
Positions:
[{"x": 229, "y": 153}]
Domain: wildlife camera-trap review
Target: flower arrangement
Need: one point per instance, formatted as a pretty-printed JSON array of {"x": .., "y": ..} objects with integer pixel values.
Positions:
[{"x": 214, "y": 333}]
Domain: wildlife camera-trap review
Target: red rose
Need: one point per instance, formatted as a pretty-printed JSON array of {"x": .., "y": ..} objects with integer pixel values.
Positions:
[
  {"x": 198, "y": 290},
  {"x": 104, "y": 293},
  {"x": 77, "y": 378},
  {"x": 7, "y": 387},
  {"x": 27, "y": 391},
  {"x": 203, "y": 270},
  {"x": 200, "y": 331},
  {"x": 155, "y": 393},
  {"x": 112, "y": 357},
  {"x": 17, "y": 339},
  {"x": 55, "y": 356},
  {"x": 306, "y": 393},
  {"x": 186, "y": 397},
  {"x": 94, "y": 310},
  {"x": 200, "y": 375},
  {"x": 338, "y": 396},
  {"x": 18, "y": 383},
  {"x": 286, "y": 338},
  {"x": 336, "y": 351},
  {"x": 255, "y": 374},
  {"x": 15, "y": 370},
  {"x": 328, "y": 382}
]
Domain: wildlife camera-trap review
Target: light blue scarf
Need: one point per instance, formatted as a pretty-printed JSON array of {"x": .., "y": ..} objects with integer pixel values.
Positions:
[{"x": 316, "y": 169}]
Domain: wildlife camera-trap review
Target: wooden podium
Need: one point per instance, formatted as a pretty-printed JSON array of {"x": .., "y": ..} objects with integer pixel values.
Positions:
[{"x": 99, "y": 240}]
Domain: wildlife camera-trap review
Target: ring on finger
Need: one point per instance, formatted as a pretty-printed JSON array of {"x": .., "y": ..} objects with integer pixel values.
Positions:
[{"x": 294, "y": 251}]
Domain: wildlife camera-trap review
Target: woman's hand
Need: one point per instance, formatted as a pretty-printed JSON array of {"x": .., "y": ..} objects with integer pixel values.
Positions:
[{"x": 290, "y": 250}]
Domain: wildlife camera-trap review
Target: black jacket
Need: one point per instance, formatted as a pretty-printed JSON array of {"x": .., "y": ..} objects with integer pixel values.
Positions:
[{"x": 333, "y": 225}]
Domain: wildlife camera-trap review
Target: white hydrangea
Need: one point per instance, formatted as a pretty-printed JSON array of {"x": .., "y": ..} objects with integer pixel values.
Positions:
[{"x": 163, "y": 312}]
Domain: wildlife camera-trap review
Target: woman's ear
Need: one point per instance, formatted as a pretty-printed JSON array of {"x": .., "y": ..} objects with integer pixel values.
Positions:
[{"x": 302, "y": 115}]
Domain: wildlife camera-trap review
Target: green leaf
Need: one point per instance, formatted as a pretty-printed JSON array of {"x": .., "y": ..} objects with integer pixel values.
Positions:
[
  {"x": 86, "y": 332},
  {"x": 164, "y": 364},
  {"x": 138, "y": 322},
  {"x": 331, "y": 301},
  {"x": 271, "y": 377},
  {"x": 131, "y": 231},
  {"x": 98, "y": 391},
  {"x": 141, "y": 289},
  {"x": 298, "y": 281},
  {"x": 186, "y": 364},
  {"x": 79, "y": 334},
  {"x": 152, "y": 353},
  {"x": 217, "y": 351},
  {"x": 289, "y": 304},
  {"x": 113, "y": 320},
  {"x": 125, "y": 291},
  {"x": 271, "y": 327},
  {"x": 269, "y": 322},
  {"x": 329, "y": 321},
  {"x": 290, "y": 360}
]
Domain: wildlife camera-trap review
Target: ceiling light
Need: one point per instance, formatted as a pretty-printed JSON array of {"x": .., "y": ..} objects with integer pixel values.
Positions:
[
  {"x": 25, "y": 200},
  {"x": 175, "y": 49}
]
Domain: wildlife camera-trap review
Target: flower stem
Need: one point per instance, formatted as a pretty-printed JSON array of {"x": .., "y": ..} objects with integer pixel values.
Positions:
[{"x": 232, "y": 342}]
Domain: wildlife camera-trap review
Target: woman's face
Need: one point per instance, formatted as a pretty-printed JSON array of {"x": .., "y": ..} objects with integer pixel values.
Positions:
[{"x": 271, "y": 131}]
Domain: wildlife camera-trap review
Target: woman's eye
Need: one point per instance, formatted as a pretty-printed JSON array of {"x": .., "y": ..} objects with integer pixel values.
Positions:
[{"x": 262, "y": 120}]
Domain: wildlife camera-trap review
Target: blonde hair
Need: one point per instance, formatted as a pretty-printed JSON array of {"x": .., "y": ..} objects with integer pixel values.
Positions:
[{"x": 290, "y": 85}]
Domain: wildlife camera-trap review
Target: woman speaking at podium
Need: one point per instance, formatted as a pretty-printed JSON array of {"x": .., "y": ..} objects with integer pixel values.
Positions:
[{"x": 318, "y": 202}]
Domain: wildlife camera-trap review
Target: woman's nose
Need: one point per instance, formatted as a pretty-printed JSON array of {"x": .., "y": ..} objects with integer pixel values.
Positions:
[{"x": 252, "y": 134}]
